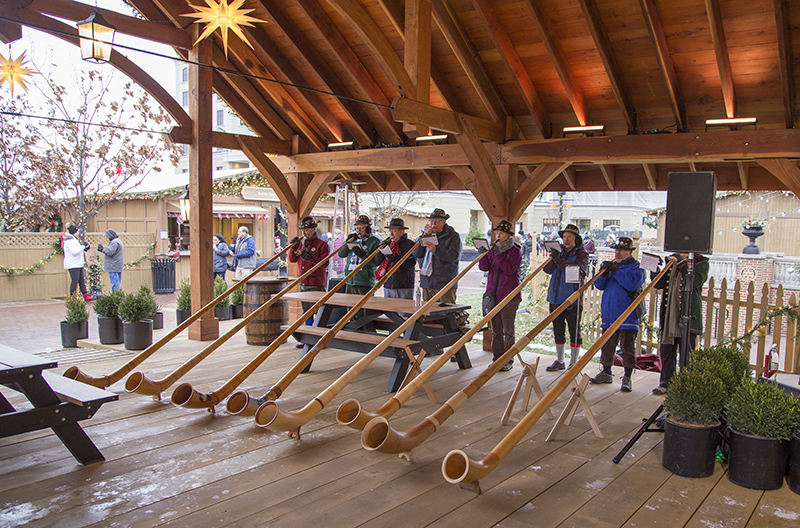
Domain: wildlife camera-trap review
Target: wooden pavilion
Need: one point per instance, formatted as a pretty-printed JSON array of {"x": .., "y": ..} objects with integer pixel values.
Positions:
[{"x": 502, "y": 79}]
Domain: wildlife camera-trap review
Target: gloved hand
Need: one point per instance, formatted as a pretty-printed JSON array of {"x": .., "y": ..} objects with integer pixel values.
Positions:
[
  {"x": 306, "y": 254},
  {"x": 99, "y": 247},
  {"x": 86, "y": 247},
  {"x": 610, "y": 268},
  {"x": 352, "y": 236},
  {"x": 555, "y": 254},
  {"x": 360, "y": 252},
  {"x": 294, "y": 241}
]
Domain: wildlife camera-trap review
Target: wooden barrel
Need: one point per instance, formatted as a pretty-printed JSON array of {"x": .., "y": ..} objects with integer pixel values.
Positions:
[{"x": 266, "y": 327}]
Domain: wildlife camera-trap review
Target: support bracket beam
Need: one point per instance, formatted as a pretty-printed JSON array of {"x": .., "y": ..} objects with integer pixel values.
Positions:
[{"x": 272, "y": 173}]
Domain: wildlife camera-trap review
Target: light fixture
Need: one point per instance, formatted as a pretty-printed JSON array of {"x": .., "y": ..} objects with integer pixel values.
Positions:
[
  {"x": 588, "y": 130},
  {"x": 342, "y": 145},
  {"x": 225, "y": 17},
  {"x": 14, "y": 72},
  {"x": 96, "y": 37},
  {"x": 185, "y": 204},
  {"x": 733, "y": 123},
  {"x": 437, "y": 139}
]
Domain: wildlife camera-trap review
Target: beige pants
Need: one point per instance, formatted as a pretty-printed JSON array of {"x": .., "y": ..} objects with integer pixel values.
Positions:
[{"x": 241, "y": 273}]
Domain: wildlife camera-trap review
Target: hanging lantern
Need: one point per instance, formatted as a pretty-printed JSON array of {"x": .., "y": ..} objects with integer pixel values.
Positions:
[
  {"x": 185, "y": 204},
  {"x": 97, "y": 38}
]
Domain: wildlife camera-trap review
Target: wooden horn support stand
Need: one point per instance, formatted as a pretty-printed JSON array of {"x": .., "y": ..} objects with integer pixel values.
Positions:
[
  {"x": 139, "y": 383},
  {"x": 240, "y": 403},
  {"x": 350, "y": 412},
  {"x": 186, "y": 396},
  {"x": 109, "y": 379},
  {"x": 379, "y": 435},
  {"x": 458, "y": 468},
  {"x": 272, "y": 417}
]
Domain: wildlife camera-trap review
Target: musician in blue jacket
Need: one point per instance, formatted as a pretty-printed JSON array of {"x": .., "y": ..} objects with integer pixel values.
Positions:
[{"x": 620, "y": 281}]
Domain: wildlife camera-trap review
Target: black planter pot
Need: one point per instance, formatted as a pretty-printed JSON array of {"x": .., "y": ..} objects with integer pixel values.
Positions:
[
  {"x": 138, "y": 334},
  {"x": 794, "y": 464},
  {"x": 689, "y": 451},
  {"x": 223, "y": 313},
  {"x": 71, "y": 332},
  {"x": 237, "y": 311},
  {"x": 158, "y": 320},
  {"x": 182, "y": 315},
  {"x": 110, "y": 330},
  {"x": 756, "y": 462},
  {"x": 752, "y": 233}
]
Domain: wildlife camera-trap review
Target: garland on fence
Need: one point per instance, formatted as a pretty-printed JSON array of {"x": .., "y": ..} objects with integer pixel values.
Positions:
[
  {"x": 138, "y": 261},
  {"x": 760, "y": 328}
]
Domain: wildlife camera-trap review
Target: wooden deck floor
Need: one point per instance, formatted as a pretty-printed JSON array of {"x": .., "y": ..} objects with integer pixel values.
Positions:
[{"x": 167, "y": 465}]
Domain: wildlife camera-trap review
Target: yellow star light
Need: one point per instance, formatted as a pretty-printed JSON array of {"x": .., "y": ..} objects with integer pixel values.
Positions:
[
  {"x": 13, "y": 72},
  {"x": 225, "y": 17}
]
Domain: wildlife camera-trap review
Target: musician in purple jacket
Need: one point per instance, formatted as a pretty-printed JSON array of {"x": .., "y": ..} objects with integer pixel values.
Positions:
[{"x": 503, "y": 263}]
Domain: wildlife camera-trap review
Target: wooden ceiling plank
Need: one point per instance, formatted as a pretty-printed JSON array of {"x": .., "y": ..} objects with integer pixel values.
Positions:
[
  {"x": 316, "y": 187},
  {"x": 723, "y": 59},
  {"x": 353, "y": 65},
  {"x": 785, "y": 170},
  {"x": 272, "y": 173},
  {"x": 377, "y": 43},
  {"x": 379, "y": 179},
  {"x": 482, "y": 166},
  {"x": 786, "y": 61},
  {"x": 533, "y": 185},
  {"x": 404, "y": 178},
  {"x": 603, "y": 45},
  {"x": 509, "y": 55},
  {"x": 608, "y": 175},
  {"x": 434, "y": 177},
  {"x": 417, "y": 55},
  {"x": 744, "y": 173},
  {"x": 650, "y": 171},
  {"x": 410, "y": 111},
  {"x": 653, "y": 22},
  {"x": 569, "y": 176},
  {"x": 556, "y": 53}
]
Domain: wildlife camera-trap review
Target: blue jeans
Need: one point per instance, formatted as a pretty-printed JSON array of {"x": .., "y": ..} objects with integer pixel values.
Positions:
[{"x": 116, "y": 279}]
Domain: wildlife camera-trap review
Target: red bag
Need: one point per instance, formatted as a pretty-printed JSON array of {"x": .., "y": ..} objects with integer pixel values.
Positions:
[{"x": 648, "y": 362}]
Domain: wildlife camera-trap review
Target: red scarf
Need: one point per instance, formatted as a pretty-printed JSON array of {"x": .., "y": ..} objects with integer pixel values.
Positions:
[{"x": 386, "y": 265}]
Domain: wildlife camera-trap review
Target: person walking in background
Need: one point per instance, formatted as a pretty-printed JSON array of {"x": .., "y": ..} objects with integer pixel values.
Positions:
[
  {"x": 572, "y": 254},
  {"x": 621, "y": 278},
  {"x": 401, "y": 284},
  {"x": 114, "y": 260},
  {"x": 74, "y": 261},
  {"x": 244, "y": 254},
  {"x": 221, "y": 252},
  {"x": 366, "y": 243},
  {"x": 503, "y": 264},
  {"x": 527, "y": 249},
  {"x": 309, "y": 252}
]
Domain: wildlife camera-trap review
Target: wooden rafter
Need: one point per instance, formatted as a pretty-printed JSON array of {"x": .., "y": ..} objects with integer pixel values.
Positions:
[
  {"x": 316, "y": 187},
  {"x": 653, "y": 21},
  {"x": 609, "y": 175},
  {"x": 744, "y": 173},
  {"x": 569, "y": 176},
  {"x": 9, "y": 31},
  {"x": 409, "y": 111},
  {"x": 378, "y": 178},
  {"x": 556, "y": 52},
  {"x": 224, "y": 140},
  {"x": 417, "y": 54},
  {"x": 603, "y": 45},
  {"x": 723, "y": 59},
  {"x": 404, "y": 177},
  {"x": 470, "y": 181},
  {"x": 786, "y": 60},
  {"x": 650, "y": 172},
  {"x": 785, "y": 170},
  {"x": 509, "y": 178},
  {"x": 534, "y": 184},
  {"x": 483, "y": 167},
  {"x": 433, "y": 176},
  {"x": 269, "y": 171}
]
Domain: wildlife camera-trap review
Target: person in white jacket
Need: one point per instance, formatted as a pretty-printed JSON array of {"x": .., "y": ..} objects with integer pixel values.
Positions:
[{"x": 74, "y": 262}]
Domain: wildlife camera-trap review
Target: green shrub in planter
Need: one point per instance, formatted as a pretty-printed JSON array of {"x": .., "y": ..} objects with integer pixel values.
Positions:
[
  {"x": 237, "y": 297},
  {"x": 761, "y": 409},
  {"x": 184, "y": 300},
  {"x": 134, "y": 307},
  {"x": 695, "y": 397},
  {"x": 108, "y": 304},
  {"x": 726, "y": 363},
  {"x": 147, "y": 294},
  {"x": 219, "y": 288},
  {"x": 76, "y": 310}
]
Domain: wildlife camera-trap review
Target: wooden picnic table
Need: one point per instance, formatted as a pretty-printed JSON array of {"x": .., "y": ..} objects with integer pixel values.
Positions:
[
  {"x": 58, "y": 402},
  {"x": 433, "y": 332}
]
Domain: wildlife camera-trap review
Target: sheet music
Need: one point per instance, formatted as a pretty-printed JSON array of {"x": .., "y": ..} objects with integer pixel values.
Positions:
[
  {"x": 649, "y": 262},
  {"x": 386, "y": 250},
  {"x": 552, "y": 244},
  {"x": 433, "y": 239},
  {"x": 481, "y": 244}
]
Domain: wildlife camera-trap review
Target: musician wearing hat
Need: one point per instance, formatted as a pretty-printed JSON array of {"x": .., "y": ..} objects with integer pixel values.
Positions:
[
  {"x": 503, "y": 263},
  {"x": 310, "y": 251},
  {"x": 620, "y": 281},
  {"x": 438, "y": 263},
  {"x": 571, "y": 254},
  {"x": 365, "y": 244},
  {"x": 401, "y": 284}
]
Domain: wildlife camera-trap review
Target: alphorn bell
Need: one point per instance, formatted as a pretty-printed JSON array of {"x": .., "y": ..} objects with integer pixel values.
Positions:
[
  {"x": 350, "y": 412},
  {"x": 109, "y": 379},
  {"x": 186, "y": 396},
  {"x": 272, "y": 417},
  {"x": 141, "y": 384},
  {"x": 379, "y": 435},
  {"x": 458, "y": 468},
  {"x": 241, "y": 403}
]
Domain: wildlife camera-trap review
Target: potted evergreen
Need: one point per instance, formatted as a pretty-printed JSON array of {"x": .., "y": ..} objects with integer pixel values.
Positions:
[
  {"x": 109, "y": 325},
  {"x": 184, "y": 302},
  {"x": 695, "y": 399},
  {"x": 237, "y": 303},
  {"x": 76, "y": 322},
  {"x": 760, "y": 420},
  {"x": 137, "y": 329},
  {"x": 156, "y": 315},
  {"x": 222, "y": 310},
  {"x": 794, "y": 450}
]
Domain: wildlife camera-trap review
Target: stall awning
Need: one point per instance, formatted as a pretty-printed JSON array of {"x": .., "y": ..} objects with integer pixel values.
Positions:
[{"x": 232, "y": 211}]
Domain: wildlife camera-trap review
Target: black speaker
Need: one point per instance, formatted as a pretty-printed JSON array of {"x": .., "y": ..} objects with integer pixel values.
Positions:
[{"x": 690, "y": 212}]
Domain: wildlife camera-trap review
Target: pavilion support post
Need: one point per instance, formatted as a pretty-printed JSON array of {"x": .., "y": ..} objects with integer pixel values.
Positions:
[{"x": 200, "y": 189}]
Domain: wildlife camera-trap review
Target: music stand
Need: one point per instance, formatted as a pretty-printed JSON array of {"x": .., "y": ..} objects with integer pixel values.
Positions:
[{"x": 686, "y": 317}]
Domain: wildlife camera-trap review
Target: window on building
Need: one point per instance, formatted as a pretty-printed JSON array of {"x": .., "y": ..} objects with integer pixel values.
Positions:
[
  {"x": 185, "y": 98},
  {"x": 220, "y": 117},
  {"x": 584, "y": 224},
  {"x": 549, "y": 225},
  {"x": 185, "y": 75},
  {"x": 185, "y": 171},
  {"x": 611, "y": 222},
  {"x": 218, "y": 168}
]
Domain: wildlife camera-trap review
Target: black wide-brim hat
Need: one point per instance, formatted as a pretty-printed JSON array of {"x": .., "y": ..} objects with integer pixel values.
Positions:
[
  {"x": 506, "y": 227},
  {"x": 396, "y": 223},
  {"x": 308, "y": 223},
  {"x": 625, "y": 243},
  {"x": 572, "y": 228}
]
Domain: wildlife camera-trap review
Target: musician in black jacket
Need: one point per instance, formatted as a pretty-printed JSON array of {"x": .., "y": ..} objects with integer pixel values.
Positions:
[{"x": 401, "y": 284}]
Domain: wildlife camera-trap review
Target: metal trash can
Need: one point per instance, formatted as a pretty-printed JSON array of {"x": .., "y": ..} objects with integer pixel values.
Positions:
[{"x": 163, "y": 267}]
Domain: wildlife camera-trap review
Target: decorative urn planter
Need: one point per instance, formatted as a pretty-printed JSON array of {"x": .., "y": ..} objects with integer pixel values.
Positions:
[{"x": 752, "y": 233}]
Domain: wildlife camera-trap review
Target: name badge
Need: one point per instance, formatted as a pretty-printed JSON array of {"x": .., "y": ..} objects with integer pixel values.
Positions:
[{"x": 572, "y": 274}]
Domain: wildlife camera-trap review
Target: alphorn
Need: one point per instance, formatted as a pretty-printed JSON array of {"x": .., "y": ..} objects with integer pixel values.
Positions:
[
  {"x": 185, "y": 395},
  {"x": 240, "y": 403},
  {"x": 272, "y": 417},
  {"x": 379, "y": 435},
  {"x": 458, "y": 468},
  {"x": 350, "y": 412},
  {"x": 141, "y": 384},
  {"x": 109, "y": 379}
]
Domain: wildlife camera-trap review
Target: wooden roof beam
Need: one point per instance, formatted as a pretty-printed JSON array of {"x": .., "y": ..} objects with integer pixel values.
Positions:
[
  {"x": 653, "y": 22},
  {"x": 417, "y": 55},
  {"x": 609, "y": 175},
  {"x": 408, "y": 111},
  {"x": 316, "y": 187},
  {"x": 228, "y": 141},
  {"x": 532, "y": 186},
  {"x": 483, "y": 167},
  {"x": 650, "y": 172},
  {"x": 723, "y": 59},
  {"x": 9, "y": 31},
  {"x": 744, "y": 173},
  {"x": 470, "y": 181},
  {"x": 786, "y": 60},
  {"x": 379, "y": 179},
  {"x": 569, "y": 176},
  {"x": 404, "y": 178},
  {"x": 556, "y": 52},
  {"x": 603, "y": 45},
  {"x": 785, "y": 170},
  {"x": 509, "y": 55},
  {"x": 272, "y": 173},
  {"x": 434, "y": 177}
]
